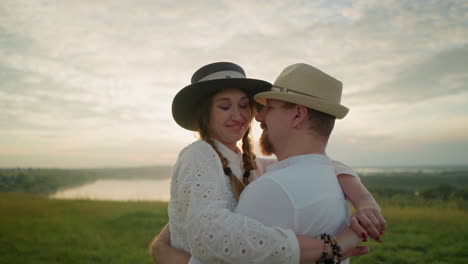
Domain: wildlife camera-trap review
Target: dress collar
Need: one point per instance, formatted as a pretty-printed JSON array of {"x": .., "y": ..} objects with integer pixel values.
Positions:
[{"x": 308, "y": 158}]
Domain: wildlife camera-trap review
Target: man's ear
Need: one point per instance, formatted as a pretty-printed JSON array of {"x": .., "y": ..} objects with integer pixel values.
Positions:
[{"x": 301, "y": 116}]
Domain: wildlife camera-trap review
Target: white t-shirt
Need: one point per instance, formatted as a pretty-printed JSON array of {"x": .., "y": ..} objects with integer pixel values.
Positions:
[{"x": 301, "y": 193}]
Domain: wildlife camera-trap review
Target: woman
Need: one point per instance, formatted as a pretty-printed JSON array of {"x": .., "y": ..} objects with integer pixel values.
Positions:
[{"x": 218, "y": 105}]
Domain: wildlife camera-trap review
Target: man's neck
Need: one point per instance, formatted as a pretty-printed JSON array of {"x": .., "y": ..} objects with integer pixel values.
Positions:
[{"x": 295, "y": 146}]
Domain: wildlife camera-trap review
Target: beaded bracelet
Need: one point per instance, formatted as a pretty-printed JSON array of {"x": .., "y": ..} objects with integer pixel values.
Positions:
[
  {"x": 336, "y": 254},
  {"x": 336, "y": 251},
  {"x": 326, "y": 246}
]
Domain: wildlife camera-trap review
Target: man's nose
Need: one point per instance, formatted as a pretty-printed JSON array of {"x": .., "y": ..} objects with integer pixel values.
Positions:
[{"x": 260, "y": 115}]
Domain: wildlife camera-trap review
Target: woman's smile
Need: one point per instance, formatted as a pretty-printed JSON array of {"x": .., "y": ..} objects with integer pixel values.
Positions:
[{"x": 236, "y": 126}]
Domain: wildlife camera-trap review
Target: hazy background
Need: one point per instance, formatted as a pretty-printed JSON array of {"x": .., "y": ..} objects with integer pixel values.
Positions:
[{"x": 90, "y": 83}]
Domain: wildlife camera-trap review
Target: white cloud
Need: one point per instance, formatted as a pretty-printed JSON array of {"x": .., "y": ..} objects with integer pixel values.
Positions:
[
  {"x": 101, "y": 70},
  {"x": 438, "y": 75}
]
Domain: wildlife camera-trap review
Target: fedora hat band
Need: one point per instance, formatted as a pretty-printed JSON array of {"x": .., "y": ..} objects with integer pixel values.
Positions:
[
  {"x": 222, "y": 75},
  {"x": 276, "y": 88}
]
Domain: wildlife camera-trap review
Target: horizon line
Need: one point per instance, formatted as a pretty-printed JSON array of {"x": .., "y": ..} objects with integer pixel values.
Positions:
[{"x": 167, "y": 165}]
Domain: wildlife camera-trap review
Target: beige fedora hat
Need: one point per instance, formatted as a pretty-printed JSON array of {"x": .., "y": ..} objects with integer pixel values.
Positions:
[{"x": 306, "y": 85}]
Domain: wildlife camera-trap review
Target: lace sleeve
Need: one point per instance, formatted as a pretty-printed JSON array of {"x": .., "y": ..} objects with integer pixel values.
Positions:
[
  {"x": 214, "y": 233},
  {"x": 341, "y": 168}
]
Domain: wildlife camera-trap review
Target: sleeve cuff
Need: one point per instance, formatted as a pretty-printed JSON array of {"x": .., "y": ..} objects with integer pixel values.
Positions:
[
  {"x": 295, "y": 250},
  {"x": 341, "y": 168}
]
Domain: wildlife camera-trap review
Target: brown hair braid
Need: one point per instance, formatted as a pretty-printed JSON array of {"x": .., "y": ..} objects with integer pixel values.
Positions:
[{"x": 248, "y": 157}]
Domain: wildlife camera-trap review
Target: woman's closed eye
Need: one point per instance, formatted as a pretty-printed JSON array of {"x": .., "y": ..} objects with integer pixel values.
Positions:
[
  {"x": 244, "y": 105},
  {"x": 224, "y": 107}
]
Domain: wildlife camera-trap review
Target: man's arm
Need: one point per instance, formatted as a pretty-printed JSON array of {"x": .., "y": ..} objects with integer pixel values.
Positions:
[
  {"x": 367, "y": 217},
  {"x": 163, "y": 253}
]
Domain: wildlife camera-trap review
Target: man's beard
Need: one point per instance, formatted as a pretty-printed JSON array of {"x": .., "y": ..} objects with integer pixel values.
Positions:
[{"x": 265, "y": 144}]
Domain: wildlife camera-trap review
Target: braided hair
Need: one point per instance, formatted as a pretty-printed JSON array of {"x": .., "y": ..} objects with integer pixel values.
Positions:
[{"x": 248, "y": 157}]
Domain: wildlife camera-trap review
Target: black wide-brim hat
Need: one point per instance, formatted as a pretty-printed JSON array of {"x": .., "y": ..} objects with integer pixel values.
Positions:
[{"x": 206, "y": 81}]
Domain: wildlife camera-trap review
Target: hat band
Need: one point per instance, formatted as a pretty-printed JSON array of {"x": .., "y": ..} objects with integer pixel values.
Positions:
[
  {"x": 286, "y": 90},
  {"x": 222, "y": 75}
]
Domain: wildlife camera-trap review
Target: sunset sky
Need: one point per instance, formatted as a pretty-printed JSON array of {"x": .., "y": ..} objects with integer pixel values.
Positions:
[{"x": 90, "y": 83}]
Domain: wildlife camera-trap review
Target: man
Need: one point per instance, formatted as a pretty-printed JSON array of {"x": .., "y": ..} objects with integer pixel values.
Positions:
[{"x": 301, "y": 192}]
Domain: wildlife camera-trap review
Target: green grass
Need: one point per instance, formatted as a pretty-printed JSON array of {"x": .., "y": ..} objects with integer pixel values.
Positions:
[
  {"x": 34, "y": 229},
  {"x": 421, "y": 235}
]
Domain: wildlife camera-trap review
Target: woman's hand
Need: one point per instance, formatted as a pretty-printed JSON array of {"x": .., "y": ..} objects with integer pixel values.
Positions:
[
  {"x": 163, "y": 253},
  {"x": 311, "y": 249},
  {"x": 368, "y": 219},
  {"x": 349, "y": 243}
]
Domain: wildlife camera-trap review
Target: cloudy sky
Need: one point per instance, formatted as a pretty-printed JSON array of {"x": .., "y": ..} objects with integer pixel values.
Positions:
[{"x": 90, "y": 83}]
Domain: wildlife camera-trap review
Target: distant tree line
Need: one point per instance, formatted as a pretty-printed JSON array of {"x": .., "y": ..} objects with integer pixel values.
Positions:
[
  {"x": 48, "y": 181},
  {"x": 415, "y": 180},
  {"x": 421, "y": 189}
]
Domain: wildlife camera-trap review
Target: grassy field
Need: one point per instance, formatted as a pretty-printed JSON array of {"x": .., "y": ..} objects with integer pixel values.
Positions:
[{"x": 34, "y": 229}]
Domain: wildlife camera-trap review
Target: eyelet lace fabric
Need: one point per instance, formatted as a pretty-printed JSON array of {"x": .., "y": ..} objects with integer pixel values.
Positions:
[{"x": 202, "y": 222}]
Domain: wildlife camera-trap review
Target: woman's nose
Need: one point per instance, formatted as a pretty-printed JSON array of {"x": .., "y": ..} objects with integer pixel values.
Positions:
[{"x": 236, "y": 114}]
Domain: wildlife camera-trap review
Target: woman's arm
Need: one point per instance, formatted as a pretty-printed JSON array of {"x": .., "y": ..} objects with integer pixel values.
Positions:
[
  {"x": 163, "y": 253},
  {"x": 311, "y": 249},
  {"x": 367, "y": 217}
]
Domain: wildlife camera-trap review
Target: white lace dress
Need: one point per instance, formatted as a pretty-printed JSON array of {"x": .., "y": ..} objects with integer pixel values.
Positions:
[{"x": 201, "y": 217}]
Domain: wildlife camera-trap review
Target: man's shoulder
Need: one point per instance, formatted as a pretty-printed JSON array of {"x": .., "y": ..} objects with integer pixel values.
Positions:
[
  {"x": 312, "y": 178},
  {"x": 273, "y": 176},
  {"x": 272, "y": 181},
  {"x": 304, "y": 167},
  {"x": 264, "y": 188},
  {"x": 266, "y": 181}
]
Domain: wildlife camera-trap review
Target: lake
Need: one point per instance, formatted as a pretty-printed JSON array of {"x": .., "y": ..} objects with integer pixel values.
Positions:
[
  {"x": 134, "y": 189},
  {"x": 119, "y": 190}
]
